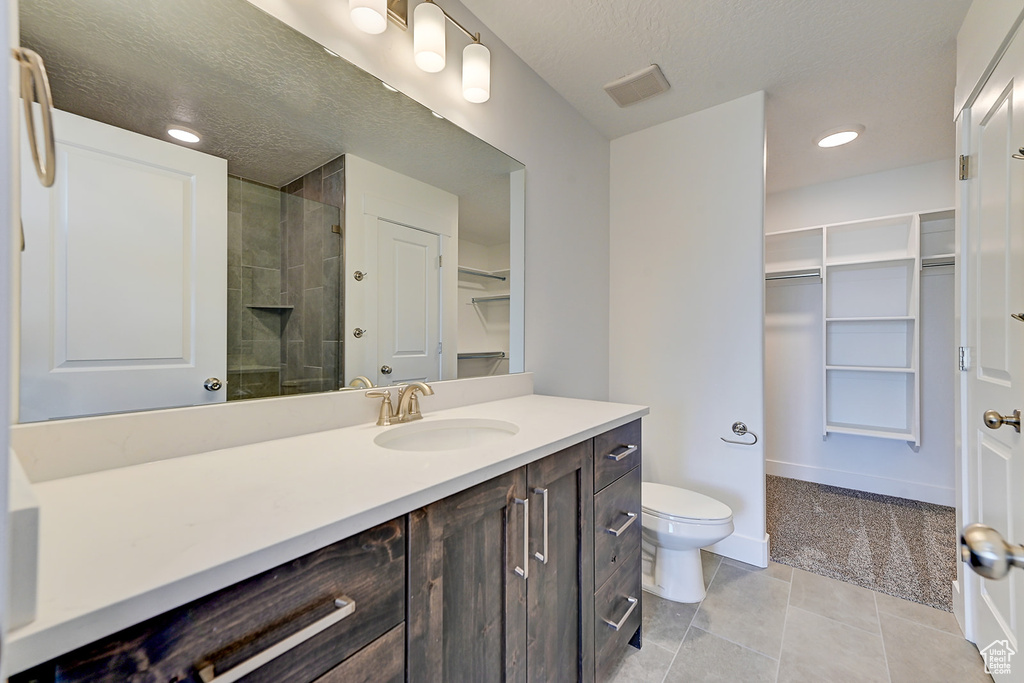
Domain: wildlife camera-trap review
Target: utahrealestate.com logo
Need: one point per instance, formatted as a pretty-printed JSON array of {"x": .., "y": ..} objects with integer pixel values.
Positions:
[{"x": 997, "y": 657}]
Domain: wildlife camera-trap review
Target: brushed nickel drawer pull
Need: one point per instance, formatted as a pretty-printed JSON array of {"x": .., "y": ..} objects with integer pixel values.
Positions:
[
  {"x": 618, "y": 532},
  {"x": 543, "y": 557},
  {"x": 344, "y": 606},
  {"x": 632, "y": 606},
  {"x": 524, "y": 571},
  {"x": 630, "y": 450}
]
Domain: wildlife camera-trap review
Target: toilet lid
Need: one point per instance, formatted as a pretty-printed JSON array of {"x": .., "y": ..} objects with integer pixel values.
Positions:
[{"x": 659, "y": 499}]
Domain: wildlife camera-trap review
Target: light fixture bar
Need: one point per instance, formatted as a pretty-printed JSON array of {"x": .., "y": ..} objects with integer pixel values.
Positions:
[{"x": 475, "y": 37}]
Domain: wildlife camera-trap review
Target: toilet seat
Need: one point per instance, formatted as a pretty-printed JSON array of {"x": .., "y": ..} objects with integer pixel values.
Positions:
[{"x": 682, "y": 505}]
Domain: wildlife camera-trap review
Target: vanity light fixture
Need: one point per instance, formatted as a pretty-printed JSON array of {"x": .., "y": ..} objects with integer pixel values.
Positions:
[
  {"x": 369, "y": 16},
  {"x": 839, "y": 136},
  {"x": 428, "y": 43},
  {"x": 183, "y": 134}
]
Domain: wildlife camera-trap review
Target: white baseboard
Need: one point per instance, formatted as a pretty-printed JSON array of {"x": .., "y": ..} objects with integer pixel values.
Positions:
[
  {"x": 743, "y": 548},
  {"x": 864, "y": 482}
]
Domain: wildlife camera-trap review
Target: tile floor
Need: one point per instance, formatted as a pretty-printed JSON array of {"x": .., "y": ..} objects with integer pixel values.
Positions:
[{"x": 785, "y": 624}]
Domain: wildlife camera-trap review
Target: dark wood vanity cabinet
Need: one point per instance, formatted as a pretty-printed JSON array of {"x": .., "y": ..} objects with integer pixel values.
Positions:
[
  {"x": 488, "y": 603},
  {"x": 525, "y": 577},
  {"x": 618, "y": 602},
  {"x": 229, "y": 628}
]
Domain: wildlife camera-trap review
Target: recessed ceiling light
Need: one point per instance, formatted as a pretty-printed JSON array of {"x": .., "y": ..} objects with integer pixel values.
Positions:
[
  {"x": 183, "y": 134},
  {"x": 389, "y": 87},
  {"x": 839, "y": 136},
  {"x": 437, "y": 115}
]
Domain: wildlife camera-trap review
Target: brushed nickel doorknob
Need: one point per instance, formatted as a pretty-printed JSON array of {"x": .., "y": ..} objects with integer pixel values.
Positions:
[
  {"x": 995, "y": 420},
  {"x": 212, "y": 384},
  {"x": 385, "y": 369},
  {"x": 984, "y": 550}
]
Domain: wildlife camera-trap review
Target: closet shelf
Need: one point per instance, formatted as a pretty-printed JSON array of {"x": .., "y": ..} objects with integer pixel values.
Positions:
[
  {"x": 872, "y": 319},
  {"x": 875, "y": 431},
  {"x": 870, "y": 368},
  {"x": 872, "y": 262},
  {"x": 493, "y": 274}
]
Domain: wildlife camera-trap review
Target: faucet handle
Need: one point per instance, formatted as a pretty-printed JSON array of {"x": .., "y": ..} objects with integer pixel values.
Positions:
[{"x": 387, "y": 411}]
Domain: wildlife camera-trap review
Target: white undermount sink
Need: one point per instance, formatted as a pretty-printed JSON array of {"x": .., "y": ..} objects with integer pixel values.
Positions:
[{"x": 446, "y": 435}]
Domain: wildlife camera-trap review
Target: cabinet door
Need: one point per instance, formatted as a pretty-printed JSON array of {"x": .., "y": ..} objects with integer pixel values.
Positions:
[
  {"x": 561, "y": 586},
  {"x": 467, "y": 602}
]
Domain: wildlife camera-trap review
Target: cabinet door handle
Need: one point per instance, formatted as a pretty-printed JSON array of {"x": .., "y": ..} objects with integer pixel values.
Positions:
[
  {"x": 625, "y": 525},
  {"x": 344, "y": 606},
  {"x": 543, "y": 557},
  {"x": 630, "y": 450},
  {"x": 524, "y": 571},
  {"x": 617, "y": 625}
]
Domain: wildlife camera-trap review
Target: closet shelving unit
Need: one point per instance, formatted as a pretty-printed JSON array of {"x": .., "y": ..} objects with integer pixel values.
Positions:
[{"x": 870, "y": 272}]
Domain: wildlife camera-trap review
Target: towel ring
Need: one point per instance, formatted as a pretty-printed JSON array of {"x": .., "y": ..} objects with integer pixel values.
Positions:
[{"x": 740, "y": 429}]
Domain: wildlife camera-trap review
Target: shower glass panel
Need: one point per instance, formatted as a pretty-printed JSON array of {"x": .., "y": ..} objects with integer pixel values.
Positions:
[{"x": 284, "y": 292}]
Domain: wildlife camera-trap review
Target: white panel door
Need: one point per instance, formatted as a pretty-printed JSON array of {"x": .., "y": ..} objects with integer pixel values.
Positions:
[
  {"x": 995, "y": 289},
  {"x": 124, "y": 275},
  {"x": 408, "y": 301}
]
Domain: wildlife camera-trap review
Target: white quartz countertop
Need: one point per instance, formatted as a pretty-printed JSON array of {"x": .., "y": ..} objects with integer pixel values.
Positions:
[{"x": 124, "y": 545}]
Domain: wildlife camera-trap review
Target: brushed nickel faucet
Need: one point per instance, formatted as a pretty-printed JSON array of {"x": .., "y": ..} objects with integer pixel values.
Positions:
[{"x": 408, "y": 404}]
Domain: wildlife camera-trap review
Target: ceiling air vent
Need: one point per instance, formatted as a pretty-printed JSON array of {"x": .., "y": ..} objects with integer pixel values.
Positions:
[{"x": 638, "y": 86}]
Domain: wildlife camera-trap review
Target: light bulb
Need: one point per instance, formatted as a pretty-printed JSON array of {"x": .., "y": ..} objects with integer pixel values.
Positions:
[
  {"x": 183, "y": 134},
  {"x": 428, "y": 37},
  {"x": 369, "y": 16},
  {"x": 476, "y": 73}
]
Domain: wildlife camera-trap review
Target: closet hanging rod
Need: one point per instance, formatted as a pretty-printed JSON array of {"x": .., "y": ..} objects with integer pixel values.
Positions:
[
  {"x": 793, "y": 274},
  {"x": 502, "y": 297},
  {"x": 936, "y": 264},
  {"x": 485, "y": 354}
]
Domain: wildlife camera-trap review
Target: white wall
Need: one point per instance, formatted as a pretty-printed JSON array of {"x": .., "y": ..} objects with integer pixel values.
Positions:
[
  {"x": 687, "y": 203},
  {"x": 566, "y": 161},
  {"x": 793, "y": 388}
]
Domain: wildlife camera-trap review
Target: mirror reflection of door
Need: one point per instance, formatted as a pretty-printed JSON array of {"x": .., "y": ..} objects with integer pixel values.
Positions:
[
  {"x": 408, "y": 304},
  {"x": 122, "y": 276}
]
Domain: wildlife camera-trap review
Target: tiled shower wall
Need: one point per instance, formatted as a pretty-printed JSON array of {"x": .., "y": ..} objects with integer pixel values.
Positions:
[
  {"x": 312, "y": 262},
  {"x": 254, "y": 279}
]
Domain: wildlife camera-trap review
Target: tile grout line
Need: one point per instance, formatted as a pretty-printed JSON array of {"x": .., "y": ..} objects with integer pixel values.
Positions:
[
  {"x": 785, "y": 622},
  {"x": 881, "y": 635},
  {"x": 917, "y": 623}
]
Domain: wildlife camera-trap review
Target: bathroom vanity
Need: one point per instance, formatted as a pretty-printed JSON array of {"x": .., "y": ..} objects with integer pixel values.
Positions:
[{"x": 326, "y": 556}]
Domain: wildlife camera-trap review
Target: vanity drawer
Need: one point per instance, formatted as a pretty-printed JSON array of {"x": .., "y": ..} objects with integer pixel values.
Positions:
[
  {"x": 238, "y": 623},
  {"x": 612, "y": 508},
  {"x": 382, "y": 661},
  {"x": 618, "y": 602},
  {"x": 615, "y": 453}
]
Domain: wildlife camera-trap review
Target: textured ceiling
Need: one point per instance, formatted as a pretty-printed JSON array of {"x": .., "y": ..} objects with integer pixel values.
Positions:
[
  {"x": 266, "y": 98},
  {"x": 886, "y": 64}
]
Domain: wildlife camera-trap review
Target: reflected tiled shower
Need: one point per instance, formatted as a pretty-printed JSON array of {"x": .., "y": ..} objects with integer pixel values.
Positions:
[{"x": 284, "y": 285}]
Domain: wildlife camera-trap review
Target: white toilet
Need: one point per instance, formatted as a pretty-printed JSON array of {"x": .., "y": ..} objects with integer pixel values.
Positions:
[{"x": 677, "y": 523}]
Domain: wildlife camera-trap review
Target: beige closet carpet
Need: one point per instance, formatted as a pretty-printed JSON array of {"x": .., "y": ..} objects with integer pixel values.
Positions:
[{"x": 902, "y": 547}]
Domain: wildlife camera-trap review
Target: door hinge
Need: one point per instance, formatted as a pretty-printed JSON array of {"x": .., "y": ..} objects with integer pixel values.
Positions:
[
  {"x": 439, "y": 261},
  {"x": 336, "y": 229},
  {"x": 965, "y": 358},
  {"x": 439, "y": 344},
  {"x": 965, "y": 166}
]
